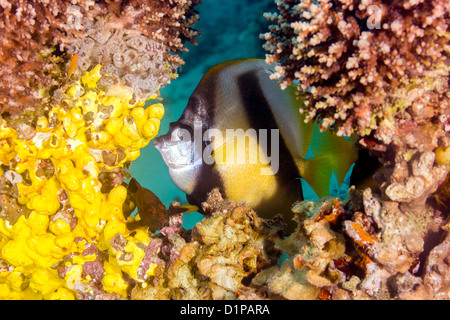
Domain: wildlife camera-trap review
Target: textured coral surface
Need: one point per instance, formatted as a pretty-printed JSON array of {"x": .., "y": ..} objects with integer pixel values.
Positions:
[
  {"x": 63, "y": 186},
  {"x": 74, "y": 80},
  {"x": 363, "y": 62},
  {"x": 217, "y": 259},
  {"x": 36, "y": 34},
  {"x": 379, "y": 69}
]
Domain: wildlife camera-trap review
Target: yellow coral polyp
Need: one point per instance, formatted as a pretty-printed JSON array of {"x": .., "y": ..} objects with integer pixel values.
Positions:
[
  {"x": 5, "y": 131},
  {"x": 72, "y": 139},
  {"x": 91, "y": 77},
  {"x": 38, "y": 222},
  {"x": 150, "y": 128},
  {"x": 60, "y": 227},
  {"x": 46, "y": 201},
  {"x": 45, "y": 281},
  {"x": 130, "y": 260}
]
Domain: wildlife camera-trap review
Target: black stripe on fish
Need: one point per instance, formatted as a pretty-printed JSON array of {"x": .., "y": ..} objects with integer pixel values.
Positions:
[
  {"x": 204, "y": 103},
  {"x": 260, "y": 116}
]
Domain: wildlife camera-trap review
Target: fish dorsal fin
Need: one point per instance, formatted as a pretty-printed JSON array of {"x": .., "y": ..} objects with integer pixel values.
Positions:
[{"x": 285, "y": 106}]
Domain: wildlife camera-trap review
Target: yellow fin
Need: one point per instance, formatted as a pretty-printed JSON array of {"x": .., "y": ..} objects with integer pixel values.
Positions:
[
  {"x": 331, "y": 154},
  {"x": 189, "y": 208}
]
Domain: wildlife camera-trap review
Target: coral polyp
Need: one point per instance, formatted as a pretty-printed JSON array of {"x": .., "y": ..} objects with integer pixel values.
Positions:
[
  {"x": 379, "y": 70},
  {"x": 37, "y": 35}
]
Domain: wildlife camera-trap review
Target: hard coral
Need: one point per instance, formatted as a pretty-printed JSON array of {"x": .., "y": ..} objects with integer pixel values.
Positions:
[
  {"x": 360, "y": 248},
  {"x": 222, "y": 254},
  {"x": 314, "y": 250},
  {"x": 132, "y": 62},
  {"x": 362, "y": 63},
  {"x": 33, "y": 51},
  {"x": 379, "y": 69}
]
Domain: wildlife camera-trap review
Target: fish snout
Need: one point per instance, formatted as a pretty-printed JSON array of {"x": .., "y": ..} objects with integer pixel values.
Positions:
[
  {"x": 162, "y": 143},
  {"x": 158, "y": 143}
]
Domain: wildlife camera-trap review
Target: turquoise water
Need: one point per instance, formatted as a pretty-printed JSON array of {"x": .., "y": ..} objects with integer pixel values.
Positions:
[{"x": 224, "y": 37}]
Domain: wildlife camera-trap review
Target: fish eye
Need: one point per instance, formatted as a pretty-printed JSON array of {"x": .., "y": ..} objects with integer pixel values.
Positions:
[{"x": 180, "y": 134}]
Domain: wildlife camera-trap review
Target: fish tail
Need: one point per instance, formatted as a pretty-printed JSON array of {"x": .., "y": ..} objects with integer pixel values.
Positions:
[{"x": 331, "y": 154}]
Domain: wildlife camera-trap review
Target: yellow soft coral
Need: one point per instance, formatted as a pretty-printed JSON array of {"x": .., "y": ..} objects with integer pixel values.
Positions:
[{"x": 88, "y": 132}]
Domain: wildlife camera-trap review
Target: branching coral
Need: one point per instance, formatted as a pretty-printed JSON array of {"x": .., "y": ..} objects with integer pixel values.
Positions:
[
  {"x": 37, "y": 34},
  {"x": 363, "y": 63},
  {"x": 380, "y": 69}
]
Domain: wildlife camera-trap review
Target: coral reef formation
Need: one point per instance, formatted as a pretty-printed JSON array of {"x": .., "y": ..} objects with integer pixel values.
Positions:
[
  {"x": 378, "y": 69},
  {"x": 363, "y": 63},
  {"x": 74, "y": 83},
  {"x": 74, "y": 78},
  {"x": 59, "y": 214},
  {"x": 217, "y": 259},
  {"x": 37, "y": 34}
]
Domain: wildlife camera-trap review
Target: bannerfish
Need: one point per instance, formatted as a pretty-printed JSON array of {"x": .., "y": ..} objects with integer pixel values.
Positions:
[
  {"x": 152, "y": 212},
  {"x": 244, "y": 135}
]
